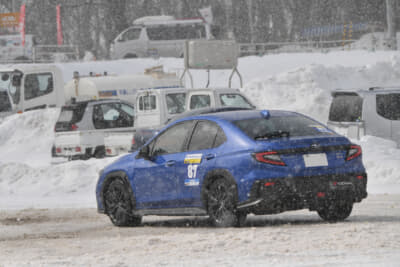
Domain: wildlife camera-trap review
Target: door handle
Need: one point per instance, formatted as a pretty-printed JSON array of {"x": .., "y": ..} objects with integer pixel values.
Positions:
[
  {"x": 209, "y": 156},
  {"x": 170, "y": 163}
]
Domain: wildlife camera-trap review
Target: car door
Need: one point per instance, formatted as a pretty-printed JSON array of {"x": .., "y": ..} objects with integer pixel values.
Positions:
[
  {"x": 155, "y": 180},
  {"x": 199, "y": 159}
]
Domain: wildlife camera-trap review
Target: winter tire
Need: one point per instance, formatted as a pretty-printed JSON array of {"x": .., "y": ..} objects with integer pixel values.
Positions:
[
  {"x": 335, "y": 210},
  {"x": 118, "y": 204},
  {"x": 221, "y": 202}
]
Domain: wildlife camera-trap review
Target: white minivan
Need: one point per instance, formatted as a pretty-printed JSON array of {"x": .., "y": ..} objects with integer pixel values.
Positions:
[
  {"x": 374, "y": 111},
  {"x": 158, "y": 36}
]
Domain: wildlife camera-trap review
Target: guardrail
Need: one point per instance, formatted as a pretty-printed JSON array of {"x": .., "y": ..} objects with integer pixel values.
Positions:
[
  {"x": 247, "y": 49},
  {"x": 54, "y": 53}
]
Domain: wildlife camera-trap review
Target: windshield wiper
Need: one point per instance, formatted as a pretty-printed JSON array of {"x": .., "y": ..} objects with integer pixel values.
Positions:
[{"x": 276, "y": 134}]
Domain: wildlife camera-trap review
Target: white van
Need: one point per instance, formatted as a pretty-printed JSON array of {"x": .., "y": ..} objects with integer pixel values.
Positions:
[
  {"x": 158, "y": 36},
  {"x": 11, "y": 49},
  {"x": 374, "y": 111}
]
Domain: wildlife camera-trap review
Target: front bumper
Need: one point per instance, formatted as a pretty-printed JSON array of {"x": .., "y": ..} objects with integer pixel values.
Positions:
[{"x": 269, "y": 196}]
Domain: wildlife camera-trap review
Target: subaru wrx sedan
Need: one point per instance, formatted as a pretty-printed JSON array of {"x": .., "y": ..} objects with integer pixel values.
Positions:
[{"x": 229, "y": 164}]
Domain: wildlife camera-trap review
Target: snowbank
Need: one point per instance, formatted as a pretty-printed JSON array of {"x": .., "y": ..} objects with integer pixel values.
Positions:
[{"x": 299, "y": 82}]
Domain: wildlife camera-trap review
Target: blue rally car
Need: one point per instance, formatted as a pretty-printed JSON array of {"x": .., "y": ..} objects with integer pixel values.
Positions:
[{"x": 227, "y": 165}]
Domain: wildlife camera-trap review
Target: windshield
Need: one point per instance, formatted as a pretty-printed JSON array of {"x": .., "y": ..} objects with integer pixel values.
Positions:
[
  {"x": 7, "y": 85},
  {"x": 234, "y": 100},
  {"x": 285, "y": 126}
]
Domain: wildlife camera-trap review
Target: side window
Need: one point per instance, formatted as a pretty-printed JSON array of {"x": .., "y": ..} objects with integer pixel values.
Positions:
[
  {"x": 111, "y": 115},
  {"x": 158, "y": 33},
  {"x": 173, "y": 139},
  {"x": 147, "y": 102},
  {"x": 388, "y": 106},
  {"x": 38, "y": 84},
  {"x": 200, "y": 101},
  {"x": 234, "y": 100},
  {"x": 132, "y": 34},
  {"x": 206, "y": 135},
  {"x": 176, "y": 103}
]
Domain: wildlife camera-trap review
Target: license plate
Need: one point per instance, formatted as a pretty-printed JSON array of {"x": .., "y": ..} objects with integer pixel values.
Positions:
[{"x": 315, "y": 160}]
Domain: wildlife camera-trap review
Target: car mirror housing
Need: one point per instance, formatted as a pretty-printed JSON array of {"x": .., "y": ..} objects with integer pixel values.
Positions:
[{"x": 144, "y": 153}]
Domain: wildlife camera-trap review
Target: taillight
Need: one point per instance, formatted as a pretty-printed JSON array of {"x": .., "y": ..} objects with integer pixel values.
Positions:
[
  {"x": 270, "y": 157},
  {"x": 74, "y": 127},
  {"x": 353, "y": 152},
  {"x": 78, "y": 149},
  {"x": 58, "y": 150},
  {"x": 133, "y": 141}
]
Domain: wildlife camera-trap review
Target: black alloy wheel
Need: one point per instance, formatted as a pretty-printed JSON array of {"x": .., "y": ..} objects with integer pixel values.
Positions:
[
  {"x": 118, "y": 204},
  {"x": 222, "y": 199}
]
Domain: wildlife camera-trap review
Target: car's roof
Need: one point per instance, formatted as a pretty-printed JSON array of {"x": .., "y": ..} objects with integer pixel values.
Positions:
[
  {"x": 366, "y": 91},
  {"x": 241, "y": 115}
]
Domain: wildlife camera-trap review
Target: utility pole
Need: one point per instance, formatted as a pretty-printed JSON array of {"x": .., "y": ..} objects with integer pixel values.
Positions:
[
  {"x": 391, "y": 24},
  {"x": 250, "y": 9}
]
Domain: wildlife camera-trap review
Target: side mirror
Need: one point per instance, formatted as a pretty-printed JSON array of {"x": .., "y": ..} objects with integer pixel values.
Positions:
[
  {"x": 144, "y": 153},
  {"x": 16, "y": 80}
]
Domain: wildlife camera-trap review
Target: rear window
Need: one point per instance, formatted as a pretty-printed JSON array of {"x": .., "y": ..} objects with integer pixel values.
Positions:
[
  {"x": 72, "y": 114},
  {"x": 200, "y": 101},
  {"x": 274, "y": 127},
  {"x": 388, "y": 106},
  {"x": 346, "y": 108}
]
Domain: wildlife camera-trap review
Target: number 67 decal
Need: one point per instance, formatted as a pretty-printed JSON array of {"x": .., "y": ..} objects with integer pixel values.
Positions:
[{"x": 192, "y": 170}]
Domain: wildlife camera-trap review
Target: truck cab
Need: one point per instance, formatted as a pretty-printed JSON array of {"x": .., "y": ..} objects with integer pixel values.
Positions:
[{"x": 30, "y": 87}]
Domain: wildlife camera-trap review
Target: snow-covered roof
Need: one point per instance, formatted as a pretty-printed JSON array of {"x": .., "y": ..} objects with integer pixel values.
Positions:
[{"x": 161, "y": 20}]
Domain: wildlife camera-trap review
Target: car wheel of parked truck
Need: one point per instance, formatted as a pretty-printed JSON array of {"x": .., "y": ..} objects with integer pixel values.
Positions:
[
  {"x": 335, "y": 210},
  {"x": 221, "y": 204},
  {"x": 119, "y": 205}
]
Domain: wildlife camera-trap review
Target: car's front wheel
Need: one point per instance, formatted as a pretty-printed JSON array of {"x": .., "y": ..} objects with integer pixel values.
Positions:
[
  {"x": 118, "y": 204},
  {"x": 221, "y": 202},
  {"x": 335, "y": 210}
]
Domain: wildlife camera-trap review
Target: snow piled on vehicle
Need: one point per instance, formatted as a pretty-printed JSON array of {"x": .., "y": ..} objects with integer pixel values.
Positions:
[{"x": 299, "y": 82}]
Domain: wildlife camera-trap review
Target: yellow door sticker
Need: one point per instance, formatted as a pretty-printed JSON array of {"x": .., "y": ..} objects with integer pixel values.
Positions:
[{"x": 193, "y": 159}]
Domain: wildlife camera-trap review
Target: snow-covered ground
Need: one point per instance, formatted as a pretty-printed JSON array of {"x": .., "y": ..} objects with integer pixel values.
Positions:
[{"x": 299, "y": 82}]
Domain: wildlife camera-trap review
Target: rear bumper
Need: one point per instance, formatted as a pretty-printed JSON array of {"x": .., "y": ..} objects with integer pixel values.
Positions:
[{"x": 268, "y": 196}]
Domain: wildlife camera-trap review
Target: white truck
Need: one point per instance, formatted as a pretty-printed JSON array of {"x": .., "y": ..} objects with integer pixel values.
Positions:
[
  {"x": 101, "y": 115},
  {"x": 27, "y": 87}
]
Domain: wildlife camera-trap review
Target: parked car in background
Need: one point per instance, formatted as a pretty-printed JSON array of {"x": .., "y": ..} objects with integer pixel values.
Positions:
[
  {"x": 374, "y": 111},
  {"x": 228, "y": 164},
  {"x": 159, "y": 36},
  {"x": 82, "y": 127}
]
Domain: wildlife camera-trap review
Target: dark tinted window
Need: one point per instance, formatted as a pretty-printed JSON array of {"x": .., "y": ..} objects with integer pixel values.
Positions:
[
  {"x": 176, "y": 32},
  {"x": 204, "y": 136},
  {"x": 277, "y": 126},
  {"x": 70, "y": 115},
  {"x": 173, "y": 139},
  {"x": 346, "y": 108},
  {"x": 388, "y": 106},
  {"x": 5, "y": 104},
  {"x": 38, "y": 84}
]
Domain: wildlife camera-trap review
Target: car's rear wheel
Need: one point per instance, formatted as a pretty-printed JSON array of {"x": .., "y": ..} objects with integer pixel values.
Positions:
[
  {"x": 118, "y": 204},
  {"x": 335, "y": 210},
  {"x": 221, "y": 203}
]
